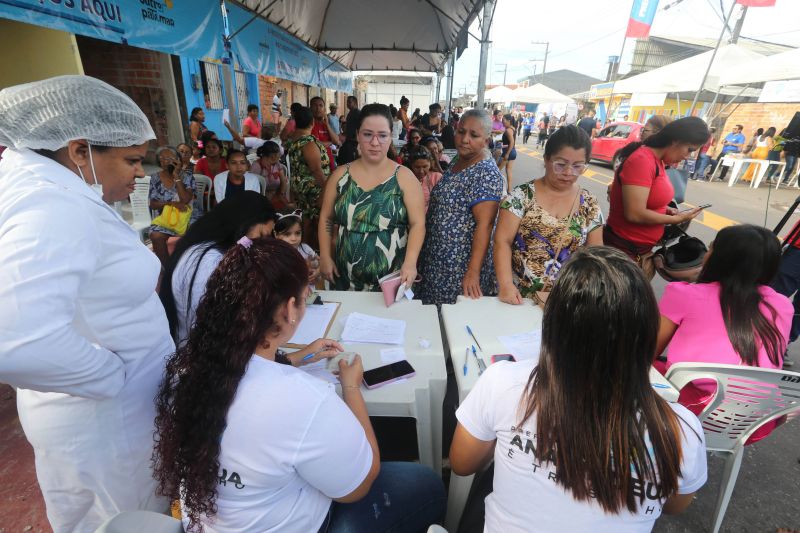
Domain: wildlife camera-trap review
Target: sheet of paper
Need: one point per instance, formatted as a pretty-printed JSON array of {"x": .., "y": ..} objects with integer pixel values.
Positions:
[
  {"x": 226, "y": 115},
  {"x": 371, "y": 329},
  {"x": 320, "y": 370},
  {"x": 392, "y": 355},
  {"x": 314, "y": 323},
  {"x": 523, "y": 346}
]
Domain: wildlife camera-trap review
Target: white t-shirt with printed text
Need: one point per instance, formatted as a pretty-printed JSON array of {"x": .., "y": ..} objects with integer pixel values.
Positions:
[
  {"x": 525, "y": 497},
  {"x": 291, "y": 445}
]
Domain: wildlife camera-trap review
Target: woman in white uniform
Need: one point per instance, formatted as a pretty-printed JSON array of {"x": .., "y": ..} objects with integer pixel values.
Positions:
[{"x": 84, "y": 337}]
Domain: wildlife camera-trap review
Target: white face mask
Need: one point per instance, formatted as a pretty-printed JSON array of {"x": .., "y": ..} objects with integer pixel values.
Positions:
[{"x": 96, "y": 187}]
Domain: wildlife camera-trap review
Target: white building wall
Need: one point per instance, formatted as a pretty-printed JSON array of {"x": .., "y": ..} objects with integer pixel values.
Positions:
[{"x": 421, "y": 95}]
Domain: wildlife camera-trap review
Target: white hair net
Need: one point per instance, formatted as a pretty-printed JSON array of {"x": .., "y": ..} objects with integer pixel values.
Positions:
[{"x": 48, "y": 114}]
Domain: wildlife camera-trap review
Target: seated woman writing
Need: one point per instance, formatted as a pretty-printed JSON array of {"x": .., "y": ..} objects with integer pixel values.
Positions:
[
  {"x": 251, "y": 444},
  {"x": 581, "y": 441},
  {"x": 544, "y": 221},
  {"x": 730, "y": 316}
]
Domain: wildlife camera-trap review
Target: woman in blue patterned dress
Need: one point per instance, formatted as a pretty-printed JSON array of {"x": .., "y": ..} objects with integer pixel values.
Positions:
[{"x": 457, "y": 255}]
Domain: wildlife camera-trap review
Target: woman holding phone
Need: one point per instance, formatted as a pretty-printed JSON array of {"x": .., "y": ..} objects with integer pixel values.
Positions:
[
  {"x": 241, "y": 456},
  {"x": 639, "y": 206}
]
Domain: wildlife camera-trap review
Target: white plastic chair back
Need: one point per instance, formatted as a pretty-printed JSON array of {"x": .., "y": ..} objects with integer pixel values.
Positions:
[
  {"x": 746, "y": 398},
  {"x": 140, "y": 204},
  {"x": 203, "y": 186},
  {"x": 252, "y": 158},
  {"x": 137, "y": 521},
  {"x": 262, "y": 182}
]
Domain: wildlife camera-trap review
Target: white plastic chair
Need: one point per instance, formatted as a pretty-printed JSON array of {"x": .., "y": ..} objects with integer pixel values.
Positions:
[
  {"x": 140, "y": 206},
  {"x": 203, "y": 186},
  {"x": 137, "y": 521},
  {"x": 746, "y": 398}
]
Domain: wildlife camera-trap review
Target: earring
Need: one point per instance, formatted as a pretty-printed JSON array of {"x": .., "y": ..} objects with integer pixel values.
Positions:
[{"x": 293, "y": 321}]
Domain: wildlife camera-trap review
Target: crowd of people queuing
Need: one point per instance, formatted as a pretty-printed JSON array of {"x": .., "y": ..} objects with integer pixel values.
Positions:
[{"x": 247, "y": 441}]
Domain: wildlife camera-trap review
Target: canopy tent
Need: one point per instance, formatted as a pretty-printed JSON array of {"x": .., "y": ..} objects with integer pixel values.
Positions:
[
  {"x": 363, "y": 36},
  {"x": 686, "y": 75},
  {"x": 783, "y": 66},
  {"x": 539, "y": 94},
  {"x": 501, "y": 93}
]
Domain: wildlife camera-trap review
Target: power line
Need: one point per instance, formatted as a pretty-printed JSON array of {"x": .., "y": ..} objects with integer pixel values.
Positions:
[{"x": 584, "y": 45}]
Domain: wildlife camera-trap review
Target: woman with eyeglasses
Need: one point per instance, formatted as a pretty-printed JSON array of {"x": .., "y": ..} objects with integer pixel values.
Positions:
[
  {"x": 544, "y": 221},
  {"x": 379, "y": 209},
  {"x": 639, "y": 207}
]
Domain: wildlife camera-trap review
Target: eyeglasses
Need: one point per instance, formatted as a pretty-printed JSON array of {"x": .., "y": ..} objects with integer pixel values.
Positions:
[
  {"x": 382, "y": 137},
  {"x": 576, "y": 169},
  {"x": 297, "y": 213}
]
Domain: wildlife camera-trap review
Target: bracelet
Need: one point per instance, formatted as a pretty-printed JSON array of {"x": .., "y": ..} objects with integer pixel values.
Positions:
[{"x": 357, "y": 387}]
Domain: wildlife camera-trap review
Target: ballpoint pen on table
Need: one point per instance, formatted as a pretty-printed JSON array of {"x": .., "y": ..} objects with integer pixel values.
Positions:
[
  {"x": 469, "y": 330},
  {"x": 481, "y": 364},
  {"x": 466, "y": 360}
]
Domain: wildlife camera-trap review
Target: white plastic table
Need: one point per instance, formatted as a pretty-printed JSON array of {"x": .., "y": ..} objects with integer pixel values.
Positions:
[
  {"x": 420, "y": 397},
  {"x": 488, "y": 318},
  {"x": 737, "y": 163}
]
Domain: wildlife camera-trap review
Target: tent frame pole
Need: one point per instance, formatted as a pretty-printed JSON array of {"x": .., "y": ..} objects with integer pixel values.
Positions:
[
  {"x": 711, "y": 62},
  {"x": 450, "y": 84},
  {"x": 615, "y": 76}
]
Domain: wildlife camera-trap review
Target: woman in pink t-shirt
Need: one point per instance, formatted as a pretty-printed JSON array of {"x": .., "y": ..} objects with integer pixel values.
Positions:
[{"x": 730, "y": 316}]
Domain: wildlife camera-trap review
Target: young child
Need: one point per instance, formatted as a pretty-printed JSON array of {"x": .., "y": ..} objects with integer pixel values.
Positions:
[
  {"x": 420, "y": 161},
  {"x": 289, "y": 228}
]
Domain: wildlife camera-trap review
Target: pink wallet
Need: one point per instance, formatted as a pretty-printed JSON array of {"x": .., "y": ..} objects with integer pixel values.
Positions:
[{"x": 390, "y": 284}]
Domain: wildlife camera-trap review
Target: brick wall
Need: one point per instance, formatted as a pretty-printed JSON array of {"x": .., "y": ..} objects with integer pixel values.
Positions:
[
  {"x": 134, "y": 71},
  {"x": 758, "y": 115}
]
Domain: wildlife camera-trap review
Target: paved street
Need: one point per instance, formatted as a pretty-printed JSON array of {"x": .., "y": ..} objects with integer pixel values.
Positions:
[{"x": 767, "y": 494}]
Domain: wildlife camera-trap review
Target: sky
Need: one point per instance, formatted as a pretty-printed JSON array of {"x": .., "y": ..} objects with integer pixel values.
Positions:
[{"x": 583, "y": 33}]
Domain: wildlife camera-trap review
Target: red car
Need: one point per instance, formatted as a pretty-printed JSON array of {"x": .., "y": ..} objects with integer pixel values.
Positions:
[{"x": 611, "y": 139}]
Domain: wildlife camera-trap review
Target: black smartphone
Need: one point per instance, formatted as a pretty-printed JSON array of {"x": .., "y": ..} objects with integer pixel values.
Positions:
[
  {"x": 704, "y": 206},
  {"x": 387, "y": 374},
  {"x": 503, "y": 357},
  {"x": 170, "y": 168}
]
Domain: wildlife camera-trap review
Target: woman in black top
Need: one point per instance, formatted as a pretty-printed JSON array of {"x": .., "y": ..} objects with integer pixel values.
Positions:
[{"x": 509, "y": 151}]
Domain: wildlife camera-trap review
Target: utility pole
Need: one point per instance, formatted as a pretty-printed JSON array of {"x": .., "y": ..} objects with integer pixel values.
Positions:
[
  {"x": 546, "y": 51},
  {"x": 505, "y": 71},
  {"x": 488, "y": 14},
  {"x": 738, "y": 28}
]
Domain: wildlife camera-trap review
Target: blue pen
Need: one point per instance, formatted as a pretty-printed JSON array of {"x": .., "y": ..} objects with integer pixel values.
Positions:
[
  {"x": 480, "y": 363},
  {"x": 466, "y": 360},
  {"x": 660, "y": 386},
  {"x": 309, "y": 356},
  {"x": 469, "y": 330}
]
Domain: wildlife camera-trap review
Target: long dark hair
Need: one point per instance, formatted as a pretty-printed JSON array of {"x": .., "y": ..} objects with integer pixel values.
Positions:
[
  {"x": 689, "y": 130},
  {"x": 219, "y": 229},
  {"x": 193, "y": 114},
  {"x": 234, "y": 317},
  {"x": 591, "y": 393},
  {"x": 743, "y": 258}
]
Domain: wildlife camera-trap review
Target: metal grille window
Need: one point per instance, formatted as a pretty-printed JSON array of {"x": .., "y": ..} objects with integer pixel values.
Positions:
[
  {"x": 242, "y": 94},
  {"x": 212, "y": 85}
]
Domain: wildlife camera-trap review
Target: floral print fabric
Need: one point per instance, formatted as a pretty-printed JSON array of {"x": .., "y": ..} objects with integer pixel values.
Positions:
[
  {"x": 450, "y": 226},
  {"x": 544, "y": 242},
  {"x": 306, "y": 193}
]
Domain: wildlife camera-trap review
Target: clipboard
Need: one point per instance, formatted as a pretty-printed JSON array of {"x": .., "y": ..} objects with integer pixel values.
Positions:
[{"x": 314, "y": 328}]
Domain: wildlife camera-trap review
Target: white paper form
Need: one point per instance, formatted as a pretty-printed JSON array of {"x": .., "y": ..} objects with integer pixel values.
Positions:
[
  {"x": 523, "y": 346},
  {"x": 226, "y": 115},
  {"x": 371, "y": 329},
  {"x": 320, "y": 370},
  {"x": 314, "y": 323},
  {"x": 392, "y": 355}
]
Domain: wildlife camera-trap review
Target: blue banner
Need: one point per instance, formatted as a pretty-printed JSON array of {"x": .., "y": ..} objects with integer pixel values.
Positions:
[
  {"x": 180, "y": 27},
  {"x": 188, "y": 28}
]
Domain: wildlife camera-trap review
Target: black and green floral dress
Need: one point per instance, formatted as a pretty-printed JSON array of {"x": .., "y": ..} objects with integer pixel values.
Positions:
[
  {"x": 305, "y": 191},
  {"x": 373, "y": 232}
]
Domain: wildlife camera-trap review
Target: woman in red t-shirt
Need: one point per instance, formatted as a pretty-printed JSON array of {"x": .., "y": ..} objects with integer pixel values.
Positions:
[{"x": 639, "y": 208}]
